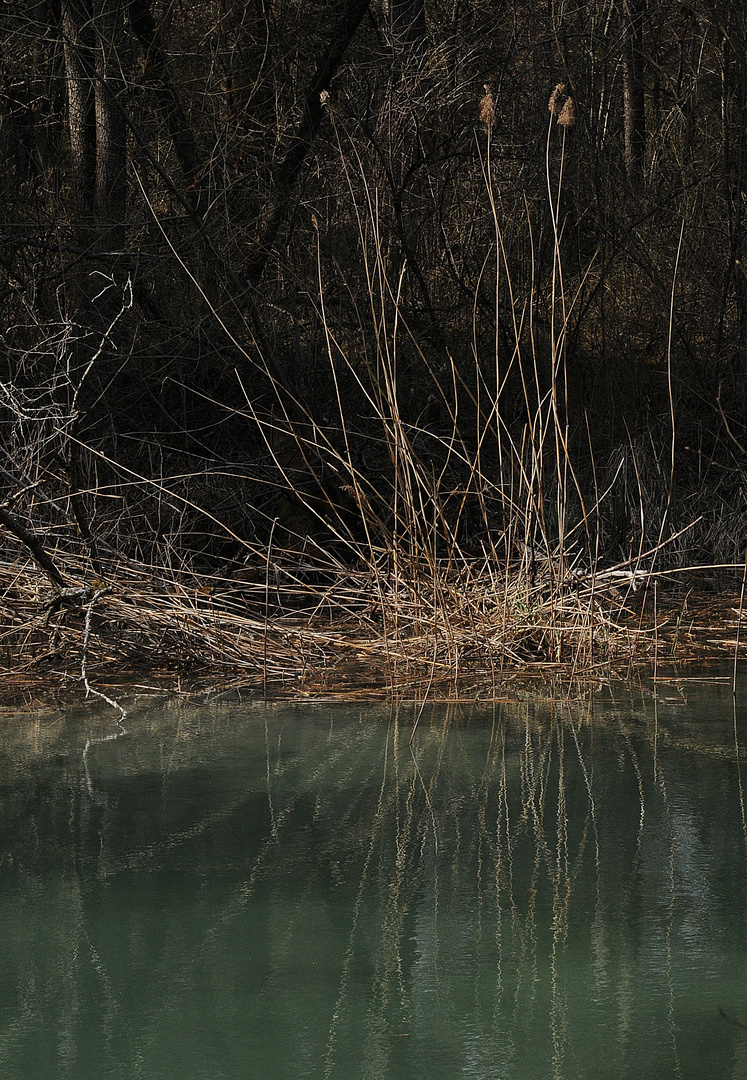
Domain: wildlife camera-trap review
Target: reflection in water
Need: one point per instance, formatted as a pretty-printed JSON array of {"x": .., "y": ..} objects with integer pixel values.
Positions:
[{"x": 530, "y": 889}]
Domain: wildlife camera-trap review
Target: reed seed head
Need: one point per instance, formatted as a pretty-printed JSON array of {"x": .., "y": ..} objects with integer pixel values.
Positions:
[
  {"x": 487, "y": 108},
  {"x": 555, "y": 99},
  {"x": 324, "y": 97},
  {"x": 567, "y": 116}
]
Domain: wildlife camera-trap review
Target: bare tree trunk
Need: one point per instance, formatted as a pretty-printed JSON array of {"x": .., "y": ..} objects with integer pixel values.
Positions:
[
  {"x": 98, "y": 150},
  {"x": 77, "y": 28},
  {"x": 111, "y": 136},
  {"x": 734, "y": 167},
  {"x": 98, "y": 144},
  {"x": 182, "y": 137},
  {"x": 633, "y": 90}
]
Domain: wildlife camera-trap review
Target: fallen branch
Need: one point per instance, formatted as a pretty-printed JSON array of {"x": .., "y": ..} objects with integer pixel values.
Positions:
[{"x": 39, "y": 555}]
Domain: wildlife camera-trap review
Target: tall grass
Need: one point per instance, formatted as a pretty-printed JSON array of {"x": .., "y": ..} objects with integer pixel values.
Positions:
[{"x": 425, "y": 531}]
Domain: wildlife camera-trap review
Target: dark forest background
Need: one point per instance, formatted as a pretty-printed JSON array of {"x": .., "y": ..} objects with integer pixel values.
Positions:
[{"x": 374, "y": 280}]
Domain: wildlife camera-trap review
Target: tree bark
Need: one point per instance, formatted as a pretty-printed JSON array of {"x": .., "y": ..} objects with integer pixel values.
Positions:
[
  {"x": 98, "y": 149},
  {"x": 157, "y": 72},
  {"x": 98, "y": 144},
  {"x": 633, "y": 91},
  {"x": 110, "y": 195},
  {"x": 79, "y": 70}
]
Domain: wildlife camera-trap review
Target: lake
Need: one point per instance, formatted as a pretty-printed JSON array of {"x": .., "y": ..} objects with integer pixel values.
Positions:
[{"x": 228, "y": 888}]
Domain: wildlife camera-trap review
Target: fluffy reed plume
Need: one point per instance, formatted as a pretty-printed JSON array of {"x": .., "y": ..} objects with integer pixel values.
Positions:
[
  {"x": 487, "y": 108},
  {"x": 567, "y": 116},
  {"x": 555, "y": 98},
  {"x": 562, "y": 106}
]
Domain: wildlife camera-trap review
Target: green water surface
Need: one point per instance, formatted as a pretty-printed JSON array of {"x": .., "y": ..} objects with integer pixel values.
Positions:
[{"x": 233, "y": 889}]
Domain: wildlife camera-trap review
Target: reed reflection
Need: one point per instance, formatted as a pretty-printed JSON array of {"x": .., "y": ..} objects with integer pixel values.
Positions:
[{"x": 523, "y": 889}]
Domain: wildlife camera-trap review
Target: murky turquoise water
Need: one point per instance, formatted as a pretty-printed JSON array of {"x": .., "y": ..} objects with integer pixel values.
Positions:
[{"x": 237, "y": 890}]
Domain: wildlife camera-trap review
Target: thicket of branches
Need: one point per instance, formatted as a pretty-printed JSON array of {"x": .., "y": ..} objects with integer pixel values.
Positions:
[{"x": 333, "y": 280}]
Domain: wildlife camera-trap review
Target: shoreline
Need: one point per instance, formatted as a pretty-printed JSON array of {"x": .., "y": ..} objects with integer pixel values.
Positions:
[{"x": 350, "y": 638}]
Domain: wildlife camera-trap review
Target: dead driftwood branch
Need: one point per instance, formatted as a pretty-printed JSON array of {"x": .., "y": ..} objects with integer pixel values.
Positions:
[{"x": 35, "y": 547}]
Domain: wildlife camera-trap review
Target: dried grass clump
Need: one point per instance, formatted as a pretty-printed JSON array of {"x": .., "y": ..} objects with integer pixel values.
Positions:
[{"x": 370, "y": 629}]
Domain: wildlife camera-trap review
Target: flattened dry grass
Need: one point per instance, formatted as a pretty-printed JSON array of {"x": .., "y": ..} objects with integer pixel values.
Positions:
[{"x": 319, "y": 628}]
